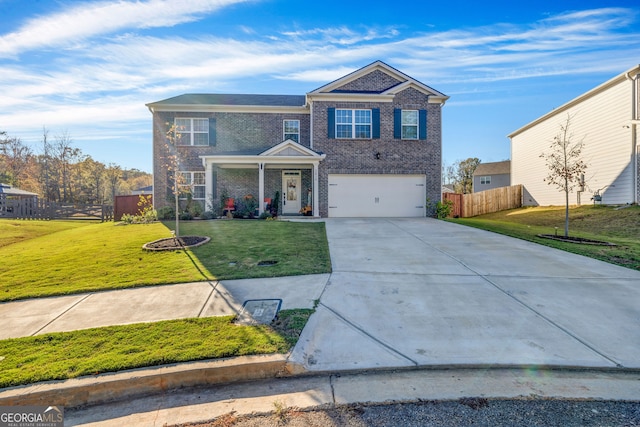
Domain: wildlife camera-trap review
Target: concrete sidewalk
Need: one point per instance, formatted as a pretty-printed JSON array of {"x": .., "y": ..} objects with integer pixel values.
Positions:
[{"x": 153, "y": 303}]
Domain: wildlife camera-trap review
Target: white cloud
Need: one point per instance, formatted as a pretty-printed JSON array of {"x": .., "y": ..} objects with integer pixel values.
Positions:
[
  {"x": 109, "y": 81},
  {"x": 90, "y": 19}
]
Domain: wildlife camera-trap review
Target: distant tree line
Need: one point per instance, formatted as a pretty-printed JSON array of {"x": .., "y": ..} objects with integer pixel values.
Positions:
[{"x": 61, "y": 173}]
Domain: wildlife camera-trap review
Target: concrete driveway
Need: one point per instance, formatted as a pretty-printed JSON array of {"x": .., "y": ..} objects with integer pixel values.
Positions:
[{"x": 423, "y": 292}]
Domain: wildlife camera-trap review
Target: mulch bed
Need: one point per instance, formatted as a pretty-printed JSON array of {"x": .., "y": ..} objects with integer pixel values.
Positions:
[
  {"x": 571, "y": 239},
  {"x": 175, "y": 243}
]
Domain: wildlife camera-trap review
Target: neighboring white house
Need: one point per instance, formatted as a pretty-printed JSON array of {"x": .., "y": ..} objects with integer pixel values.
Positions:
[{"x": 607, "y": 118}]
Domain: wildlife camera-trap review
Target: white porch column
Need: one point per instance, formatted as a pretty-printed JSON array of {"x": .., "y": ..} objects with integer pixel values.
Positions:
[
  {"x": 260, "y": 188},
  {"x": 208, "y": 185},
  {"x": 316, "y": 190}
]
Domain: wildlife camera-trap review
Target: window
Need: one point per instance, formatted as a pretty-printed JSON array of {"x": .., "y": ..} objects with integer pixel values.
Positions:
[
  {"x": 291, "y": 130},
  {"x": 192, "y": 131},
  {"x": 409, "y": 124},
  {"x": 194, "y": 183},
  {"x": 485, "y": 180},
  {"x": 353, "y": 124}
]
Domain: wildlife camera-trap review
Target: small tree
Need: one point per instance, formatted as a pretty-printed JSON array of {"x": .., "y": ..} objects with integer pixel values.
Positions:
[
  {"x": 565, "y": 164},
  {"x": 172, "y": 166}
]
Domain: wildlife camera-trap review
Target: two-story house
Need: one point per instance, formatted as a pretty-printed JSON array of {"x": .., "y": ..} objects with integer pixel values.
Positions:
[{"x": 366, "y": 145}]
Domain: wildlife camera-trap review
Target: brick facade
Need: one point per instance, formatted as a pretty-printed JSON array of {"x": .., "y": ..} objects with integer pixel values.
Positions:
[{"x": 253, "y": 132}]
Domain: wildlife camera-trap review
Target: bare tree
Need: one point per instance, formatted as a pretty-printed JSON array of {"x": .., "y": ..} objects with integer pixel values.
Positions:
[
  {"x": 565, "y": 164},
  {"x": 114, "y": 174},
  {"x": 14, "y": 159},
  {"x": 64, "y": 155},
  {"x": 463, "y": 179},
  {"x": 172, "y": 166}
]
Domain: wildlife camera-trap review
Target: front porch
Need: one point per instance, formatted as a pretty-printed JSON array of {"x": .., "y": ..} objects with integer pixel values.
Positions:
[{"x": 288, "y": 168}]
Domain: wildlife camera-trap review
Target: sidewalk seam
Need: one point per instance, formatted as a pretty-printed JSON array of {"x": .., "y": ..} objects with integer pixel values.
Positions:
[{"x": 62, "y": 314}]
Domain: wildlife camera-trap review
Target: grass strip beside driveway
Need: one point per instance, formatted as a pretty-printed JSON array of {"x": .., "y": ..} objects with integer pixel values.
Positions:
[
  {"x": 64, "y": 355},
  {"x": 620, "y": 226}
]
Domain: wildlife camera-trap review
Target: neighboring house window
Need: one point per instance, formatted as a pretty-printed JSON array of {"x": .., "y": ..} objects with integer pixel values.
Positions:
[
  {"x": 353, "y": 124},
  {"x": 409, "y": 124},
  {"x": 291, "y": 130},
  {"x": 485, "y": 180},
  {"x": 193, "y": 182},
  {"x": 192, "y": 131}
]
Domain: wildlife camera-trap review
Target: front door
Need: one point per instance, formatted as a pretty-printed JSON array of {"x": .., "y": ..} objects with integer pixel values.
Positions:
[{"x": 291, "y": 183}]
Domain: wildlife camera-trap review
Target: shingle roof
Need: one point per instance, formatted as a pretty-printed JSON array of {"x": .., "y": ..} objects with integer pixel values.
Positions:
[
  {"x": 8, "y": 190},
  {"x": 495, "y": 168},
  {"x": 235, "y": 99}
]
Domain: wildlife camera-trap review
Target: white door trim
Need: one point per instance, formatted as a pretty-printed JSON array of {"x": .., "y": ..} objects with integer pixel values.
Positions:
[{"x": 291, "y": 191}]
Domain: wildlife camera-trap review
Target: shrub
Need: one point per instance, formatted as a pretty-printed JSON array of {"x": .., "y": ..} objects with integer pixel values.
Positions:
[
  {"x": 145, "y": 215},
  {"x": 186, "y": 216},
  {"x": 443, "y": 209},
  {"x": 249, "y": 206},
  {"x": 265, "y": 215},
  {"x": 166, "y": 212},
  {"x": 208, "y": 215}
]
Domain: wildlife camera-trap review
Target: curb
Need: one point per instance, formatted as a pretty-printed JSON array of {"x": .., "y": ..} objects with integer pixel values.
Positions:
[{"x": 123, "y": 385}]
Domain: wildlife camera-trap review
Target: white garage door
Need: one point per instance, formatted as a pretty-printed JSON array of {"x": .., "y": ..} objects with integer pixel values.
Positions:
[{"x": 377, "y": 195}]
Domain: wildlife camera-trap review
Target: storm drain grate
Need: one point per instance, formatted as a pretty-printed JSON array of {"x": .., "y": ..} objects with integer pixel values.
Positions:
[{"x": 259, "y": 311}]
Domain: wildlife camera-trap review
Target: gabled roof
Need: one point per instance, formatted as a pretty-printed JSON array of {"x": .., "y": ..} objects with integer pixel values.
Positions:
[
  {"x": 494, "y": 168},
  {"x": 286, "y": 152},
  {"x": 404, "y": 80},
  {"x": 290, "y": 148}
]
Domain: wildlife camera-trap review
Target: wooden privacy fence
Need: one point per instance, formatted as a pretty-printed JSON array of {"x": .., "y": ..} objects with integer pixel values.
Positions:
[
  {"x": 33, "y": 208},
  {"x": 128, "y": 205},
  {"x": 484, "y": 202}
]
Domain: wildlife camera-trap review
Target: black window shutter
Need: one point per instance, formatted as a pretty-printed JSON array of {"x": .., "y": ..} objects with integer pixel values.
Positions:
[
  {"x": 331, "y": 123},
  {"x": 422, "y": 124},
  {"x": 375, "y": 123},
  {"x": 212, "y": 132},
  {"x": 397, "y": 123}
]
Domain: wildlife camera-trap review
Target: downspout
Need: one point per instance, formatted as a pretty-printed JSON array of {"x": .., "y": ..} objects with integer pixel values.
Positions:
[
  {"x": 634, "y": 124},
  {"x": 310, "y": 122}
]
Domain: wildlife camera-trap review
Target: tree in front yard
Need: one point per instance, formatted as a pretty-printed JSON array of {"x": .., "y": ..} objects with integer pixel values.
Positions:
[
  {"x": 565, "y": 164},
  {"x": 172, "y": 166}
]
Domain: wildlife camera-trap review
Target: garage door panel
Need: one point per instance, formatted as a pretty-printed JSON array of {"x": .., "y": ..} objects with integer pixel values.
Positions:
[{"x": 377, "y": 195}]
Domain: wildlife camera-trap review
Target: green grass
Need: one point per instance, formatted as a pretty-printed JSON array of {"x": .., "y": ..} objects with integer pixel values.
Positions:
[
  {"x": 100, "y": 256},
  {"x": 16, "y": 231},
  {"x": 605, "y": 223},
  {"x": 58, "y": 356},
  {"x": 238, "y": 246},
  {"x": 54, "y": 258}
]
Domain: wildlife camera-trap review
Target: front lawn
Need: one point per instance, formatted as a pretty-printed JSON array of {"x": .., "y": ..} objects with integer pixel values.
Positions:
[
  {"x": 100, "y": 256},
  {"x": 237, "y": 247}
]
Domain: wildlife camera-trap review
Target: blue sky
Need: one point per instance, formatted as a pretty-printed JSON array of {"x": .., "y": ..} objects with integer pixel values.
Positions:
[{"x": 87, "y": 68}]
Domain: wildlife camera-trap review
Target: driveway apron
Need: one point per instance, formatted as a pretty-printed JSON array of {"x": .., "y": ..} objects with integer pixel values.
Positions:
[{"x": 424, "y": 292}]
